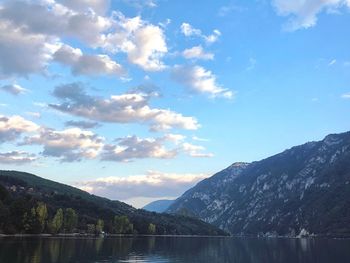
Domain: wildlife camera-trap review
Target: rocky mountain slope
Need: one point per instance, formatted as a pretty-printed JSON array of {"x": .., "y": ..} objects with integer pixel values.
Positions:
[
  {"x": 303, "y": 190},
  {"x": 158, "y": 206}
]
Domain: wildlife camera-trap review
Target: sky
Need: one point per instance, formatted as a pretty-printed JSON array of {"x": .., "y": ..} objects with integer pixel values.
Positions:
[{"x": 140, "y": 100}]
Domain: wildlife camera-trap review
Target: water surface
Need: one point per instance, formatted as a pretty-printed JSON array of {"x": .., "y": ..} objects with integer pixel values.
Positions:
[{"x": 173, "y": 249}]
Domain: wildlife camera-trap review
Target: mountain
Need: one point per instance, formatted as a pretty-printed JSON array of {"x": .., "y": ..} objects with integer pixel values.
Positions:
[
  {"x": 20, "y": 192},
  {"x": 158, "y": 206},
  {"x": 303, "y": 190}
]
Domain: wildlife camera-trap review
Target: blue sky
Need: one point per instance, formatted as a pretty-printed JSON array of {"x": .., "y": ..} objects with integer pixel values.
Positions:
[{"x": 139, "y": 100}]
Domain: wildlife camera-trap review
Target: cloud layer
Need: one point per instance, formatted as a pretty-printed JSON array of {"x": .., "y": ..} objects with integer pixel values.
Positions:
[
  {"x": 303, "y": 14},
  {"x": 67, "y": 145},
  {"x": 22, "y": 54},
  {"x": 93, "y": 41},
  {"x": 124, "y": 108},
  {"x": 76, "y": 144},
  {"x": 12, "y": 127},
  {"x": 167, "y": 147},
  {"x": 82, "y": 124},
  {"x": 32, "y": 34},
  {"x": 17, "y": 157},
  {"x": 132, "y": 147},
  {"x": 13, "y": 89},
  {"x": 153, "y": 184},
  {"x": 87, "y": 64}
]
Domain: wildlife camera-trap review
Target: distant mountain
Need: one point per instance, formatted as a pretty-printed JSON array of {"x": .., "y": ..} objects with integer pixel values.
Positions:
[
  {"x": 158, "y": 206},
  {"x": 20, "y": 191},
  {"x": 303, "y": 190}
]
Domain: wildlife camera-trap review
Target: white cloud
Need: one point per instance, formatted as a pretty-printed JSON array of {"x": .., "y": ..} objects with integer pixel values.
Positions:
[
  {"x": 200, "y": 80},
  {"x": 227, "y": 9},
  {"x": 12, "y": 127},
  {"x": 13, "y": 89},
  {"x": 67, "y": 145},
  {"x": 143, "y": 43},
  {"x": 124, "y": 108},
  {"x": 195, "y": 150},
  {"x": 165, "y": 23},
  {"x": 153, "y": 184},
  {"x": 166, "y": 147},
  {"x": 149, "y": 48},
  {"x": 346, "y": 95},
  {"x": 188, "y": 30},
  {"x": 22, "y": 53},
  {"x": 17, "y": 157},
  {"x": 54, "y": 19},
  {"x": 132, "y": 147},
  {"x": 87, "y": 64},
  {"x": 213, "y": 37},
  {"x": 33, "y": 114},
  {"x": 197, "y": 52},
  {"x": 303, "y": 14},
  {"x": 82, "y": 124},
  {"x": 332, "y": 62},
  {"x": 76, "y": 144},
  {"x": 175, "y": 138},
  {"x": 99, "y": 6},
  {"x": 32, "y": 31},
  {"x": 141, "y": 3},
  {"x": 195, "y": 138},
  {"x": 252, "y": 64}
]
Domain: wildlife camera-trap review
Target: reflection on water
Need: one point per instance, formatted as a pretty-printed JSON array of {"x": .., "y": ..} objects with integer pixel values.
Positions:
[{"x": 173, "y": 249}]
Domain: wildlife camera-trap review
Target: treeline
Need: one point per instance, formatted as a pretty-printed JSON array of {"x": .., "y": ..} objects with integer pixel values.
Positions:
[{"x": 29, "y": 216}]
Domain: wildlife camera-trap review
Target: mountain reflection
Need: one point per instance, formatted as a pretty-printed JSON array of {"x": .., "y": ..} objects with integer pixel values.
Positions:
[{"x": 172, "y": 249}]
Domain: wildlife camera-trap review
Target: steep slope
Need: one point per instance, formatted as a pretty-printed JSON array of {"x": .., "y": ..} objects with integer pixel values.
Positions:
[
  {"x": 28, "y": 189},
  {"x": 158, "y": 206},
  {"x": 305, "y": 189}
]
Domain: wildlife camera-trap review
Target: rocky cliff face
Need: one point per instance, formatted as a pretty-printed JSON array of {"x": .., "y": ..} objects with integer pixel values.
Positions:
[{"x": 303, "y": 190}]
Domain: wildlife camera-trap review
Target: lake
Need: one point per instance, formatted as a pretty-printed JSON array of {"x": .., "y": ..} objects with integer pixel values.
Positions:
[{"x": 173, "y": 249}]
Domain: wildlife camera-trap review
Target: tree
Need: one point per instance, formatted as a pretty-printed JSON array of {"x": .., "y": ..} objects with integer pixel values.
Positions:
[
  {"x": 17, "y": 208},
  {"x": 122, "y": 225},
  {"x": 70, "y": 220},
  {"x": 151, "y": 229},
  {"x": 41, "y": 213},
  {"x": 90, "y": 229},
  {"x": 99, "y": 226},
  {"x": 57, "y": 221},
  {"x": 3, "y": 193},
  {"x": 31, "y": 223},
  {"x": 4, "y": 215}
]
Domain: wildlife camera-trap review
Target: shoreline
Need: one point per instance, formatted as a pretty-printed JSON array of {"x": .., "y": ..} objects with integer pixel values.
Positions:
[
  {"x": 88, "y": 236},
  {"x": 99, "y": 236}
]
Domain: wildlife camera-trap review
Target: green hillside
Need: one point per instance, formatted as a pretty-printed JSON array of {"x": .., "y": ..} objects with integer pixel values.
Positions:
[{"x": 22, "y": 194}]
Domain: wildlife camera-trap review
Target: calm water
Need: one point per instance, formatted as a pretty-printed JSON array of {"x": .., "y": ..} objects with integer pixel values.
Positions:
[{"x": 173, "y": 249}]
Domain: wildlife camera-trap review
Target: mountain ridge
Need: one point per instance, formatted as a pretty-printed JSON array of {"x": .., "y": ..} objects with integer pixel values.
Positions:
[
  {"x": 304, "y": 189},
  {"x": 158, "y": 206}
]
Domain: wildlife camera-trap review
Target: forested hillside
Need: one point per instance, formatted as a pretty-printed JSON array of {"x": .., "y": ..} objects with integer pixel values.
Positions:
[{"x": 30, "y": 204}]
